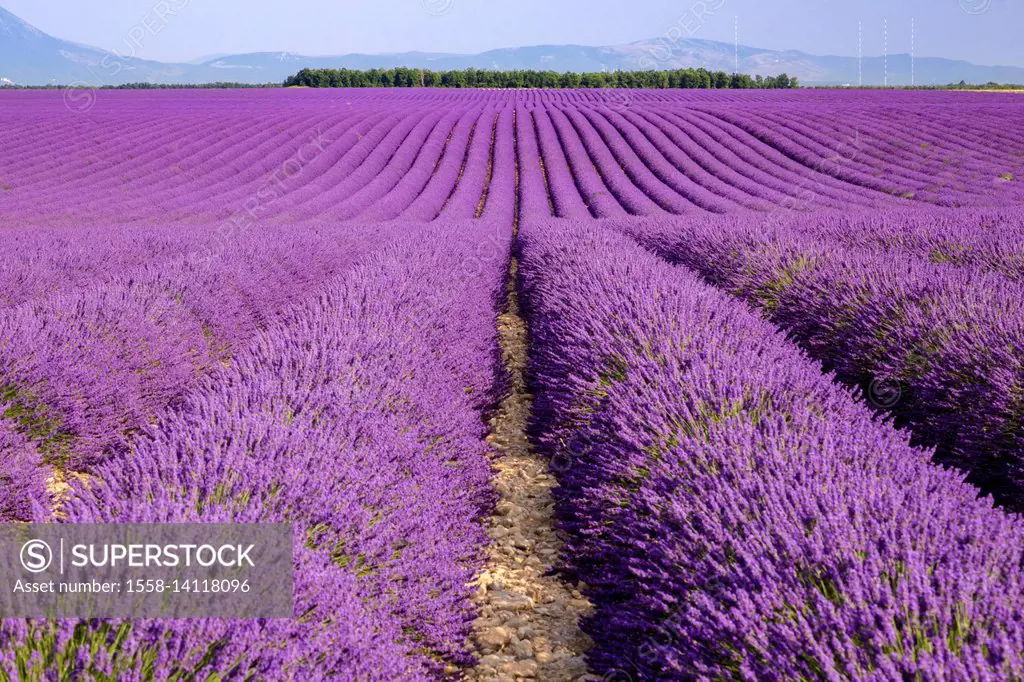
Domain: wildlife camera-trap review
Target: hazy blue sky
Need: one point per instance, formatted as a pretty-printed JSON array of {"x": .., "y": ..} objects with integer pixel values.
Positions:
[{"x": 982, "y": 31}]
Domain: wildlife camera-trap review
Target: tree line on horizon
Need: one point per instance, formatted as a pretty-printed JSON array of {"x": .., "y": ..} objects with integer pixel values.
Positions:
[
  {"x": 404, "y": 77},
  {"x": 758, "y": 83}
]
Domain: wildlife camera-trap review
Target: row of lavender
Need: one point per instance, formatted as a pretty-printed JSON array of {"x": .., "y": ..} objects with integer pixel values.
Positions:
[
  {"x": 420, "y": 156},
  {"x": 925, "y": 312},
  {"x": 989, "y": 239},
  {"x": 375, "y": 164},
  {"x": 101, "y": 329},
  {"x": 933, "y": 156},
  {"x": 261, "y": 100},
  {"x": 736, "y": 514},
  {"x": 359, "y": 420}
]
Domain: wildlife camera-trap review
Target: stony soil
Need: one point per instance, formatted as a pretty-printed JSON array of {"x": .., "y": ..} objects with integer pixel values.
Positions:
[
  {"x": 529, "y": 617},
  {"x": 58, "y": 486}
]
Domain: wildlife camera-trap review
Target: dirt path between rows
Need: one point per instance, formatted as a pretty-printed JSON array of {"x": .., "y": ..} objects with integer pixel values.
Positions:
[{"x": 529, "y": 618}]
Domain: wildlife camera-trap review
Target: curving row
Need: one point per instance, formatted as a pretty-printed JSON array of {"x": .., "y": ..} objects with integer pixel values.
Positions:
[
  {"x": 421, "y": 156},
  {"x": 734, "y": 513},
  {"x": 944, "y": 160},
  {"x": 988, "y": 239},
  {"x": 97, "y": 339},
  {"x": 359, "y": 421},
  {"x": 938, "y": 344}
]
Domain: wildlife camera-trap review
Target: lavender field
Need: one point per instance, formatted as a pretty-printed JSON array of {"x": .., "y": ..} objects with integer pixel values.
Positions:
[{"x": 557, "y": 385}]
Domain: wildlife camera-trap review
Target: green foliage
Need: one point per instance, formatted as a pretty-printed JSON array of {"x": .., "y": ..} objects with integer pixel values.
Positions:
[
  {"x": 37, "y": 422},
  {"x": 40, "y": 654},
  {"x": 403, "y": 77}
]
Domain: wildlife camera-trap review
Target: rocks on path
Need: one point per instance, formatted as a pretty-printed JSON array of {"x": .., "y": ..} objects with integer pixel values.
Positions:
[{"x": 529, "y": 621}]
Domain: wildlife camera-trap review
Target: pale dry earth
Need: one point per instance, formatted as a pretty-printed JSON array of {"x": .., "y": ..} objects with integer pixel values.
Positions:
[{"x": 529, "y": 616}]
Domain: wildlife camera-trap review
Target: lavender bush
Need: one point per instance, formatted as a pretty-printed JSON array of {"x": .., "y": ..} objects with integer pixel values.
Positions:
[
  {"x": 941, "y": 348},
  {"x": 359, "y": 421},
  {"x": 734, "y": 513}
]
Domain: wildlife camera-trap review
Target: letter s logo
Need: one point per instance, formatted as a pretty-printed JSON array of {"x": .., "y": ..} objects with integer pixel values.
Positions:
[{"x": 36, "y": 556}]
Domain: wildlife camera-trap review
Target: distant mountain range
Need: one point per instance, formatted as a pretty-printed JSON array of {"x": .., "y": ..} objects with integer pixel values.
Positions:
[{"x": 30, "y": 57}]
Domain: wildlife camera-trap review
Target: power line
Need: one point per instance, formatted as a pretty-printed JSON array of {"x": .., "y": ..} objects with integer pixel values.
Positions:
[
  {"x": 736, "y": 43},
  {"x": 860, "y": 53}
]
